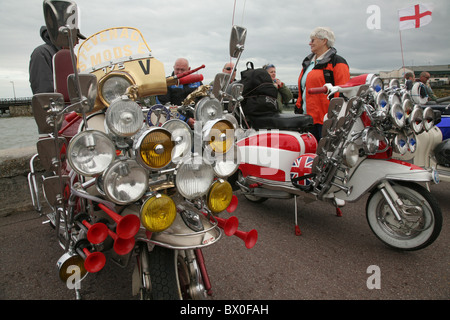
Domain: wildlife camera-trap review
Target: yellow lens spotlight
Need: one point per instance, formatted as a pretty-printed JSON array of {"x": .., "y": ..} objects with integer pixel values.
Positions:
[
  {"x": 158, "y": 213},
  {"x": 219, "y": 196},
  {"x": 221, "y": 136},
  {"x": 154, "y": 149}
]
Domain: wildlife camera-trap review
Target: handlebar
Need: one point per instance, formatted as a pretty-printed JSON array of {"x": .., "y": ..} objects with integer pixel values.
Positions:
[
  {"x": 318, "y": 90},
  {"x": 191, "y": 79}
]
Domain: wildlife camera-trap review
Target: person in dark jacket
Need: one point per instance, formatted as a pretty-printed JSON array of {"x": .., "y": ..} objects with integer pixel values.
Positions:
[
  {"x": 322, "y": 66},
  {"x": 41, "y": 64}
]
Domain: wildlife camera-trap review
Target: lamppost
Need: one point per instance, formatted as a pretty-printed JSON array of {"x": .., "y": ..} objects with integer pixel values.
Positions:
[{"x": 14, "y": 90}]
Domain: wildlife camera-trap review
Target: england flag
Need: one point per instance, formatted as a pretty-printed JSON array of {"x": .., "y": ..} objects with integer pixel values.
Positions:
[{"x": 415, "y": 17}]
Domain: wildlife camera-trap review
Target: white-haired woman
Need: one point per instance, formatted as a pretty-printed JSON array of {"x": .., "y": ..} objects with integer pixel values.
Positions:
[{"x": 322, "y": 66}]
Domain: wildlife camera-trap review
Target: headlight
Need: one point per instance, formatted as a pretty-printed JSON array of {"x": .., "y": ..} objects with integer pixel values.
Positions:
[
  {"x": 219, "y": 135},
  {"x": 397, "y": 115},
  {"x": 66, "y": 263},
  {"x": 383, "y": 101},
  {"x": 407, "y": 107},
  {"x": 158, "y": 213},
  {"x": 428, "y": 118},
  {"x": 208, "y": 109},
  {"x": 90, "y": 152},
  {"x": 351, "y": 155},
  {"x": 370, "y": 140},
  {"x": 125, "y": 181},
  {"x": 182, "y": 136},
  {"x": 194, "y": 177},
  {"x": 219, "y": 196},
  {"x": 114, "y": 86},
  {"x": 416, "y": 120},
  {"x": 227, "y": 164},
  {"x": 154, "y": 148},
  {"x": 412, "y": 142},
  {"x": 124, "y": 117},
  {"x": 400, "y": 144}
]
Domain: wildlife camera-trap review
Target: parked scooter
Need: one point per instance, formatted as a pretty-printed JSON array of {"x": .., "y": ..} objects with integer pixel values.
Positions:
[
  {"x": 281, "y": 160},
  {"x": 120, "y": 182},
  {"x": 433, "y": 144}
]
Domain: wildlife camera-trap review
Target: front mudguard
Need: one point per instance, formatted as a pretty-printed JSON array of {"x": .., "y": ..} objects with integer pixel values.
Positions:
[{"x": 371, "y": 172}]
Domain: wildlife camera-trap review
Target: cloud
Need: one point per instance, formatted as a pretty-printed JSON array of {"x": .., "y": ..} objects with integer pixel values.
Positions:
[{"x": 278, "y": 32}]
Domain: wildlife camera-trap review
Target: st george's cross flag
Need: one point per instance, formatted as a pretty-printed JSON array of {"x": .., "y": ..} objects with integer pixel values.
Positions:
[{"x": 415, "y": 17}]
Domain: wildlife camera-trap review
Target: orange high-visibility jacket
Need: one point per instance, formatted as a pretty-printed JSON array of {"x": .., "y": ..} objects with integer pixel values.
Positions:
[{"x": 331, "y": 69}]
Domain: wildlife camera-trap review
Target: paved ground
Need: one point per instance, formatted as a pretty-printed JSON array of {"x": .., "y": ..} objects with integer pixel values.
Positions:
[{"x": 330, "y": 260}]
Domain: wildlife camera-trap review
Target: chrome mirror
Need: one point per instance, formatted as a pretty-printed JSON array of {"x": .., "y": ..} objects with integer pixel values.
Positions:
[
  {"x": 61, "y": 19},
  {"x": 88, "y": 87},
  {"x": 237, "y": 41}
]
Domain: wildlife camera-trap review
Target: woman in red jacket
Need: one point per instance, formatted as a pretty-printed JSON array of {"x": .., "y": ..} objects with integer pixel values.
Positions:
[{"x": 322, "y": 66}]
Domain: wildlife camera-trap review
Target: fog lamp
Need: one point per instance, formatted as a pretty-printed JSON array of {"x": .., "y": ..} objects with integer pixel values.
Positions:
[
  {"x": 219, "y": 135},
  {"x": 154, "y": 148},
  {"x": 370, "y": 140},
  {"x": 124, "y": 117},
  {"x": 194, "y": 177},
  {"x": 158, "y": 213},
  {"x": 220, "y": 196}
]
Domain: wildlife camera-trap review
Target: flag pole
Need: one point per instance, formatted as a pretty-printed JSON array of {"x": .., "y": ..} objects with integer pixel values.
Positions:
[{"x": 401, "y": 48}]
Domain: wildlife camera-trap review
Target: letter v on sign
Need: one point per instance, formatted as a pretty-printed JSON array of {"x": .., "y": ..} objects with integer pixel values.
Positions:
[{"x": 145, "y": 69}]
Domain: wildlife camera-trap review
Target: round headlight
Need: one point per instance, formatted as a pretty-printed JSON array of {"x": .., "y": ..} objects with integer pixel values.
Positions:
[
  {"x": 124, "y": 117},
  {"x": 219, "y": 135},
  {"x": 398, "y": 115},
  {"x": 154, "y": 148},
  {"x": 395, "y": 98},
  {"x": 158, "y": 213},
  {"x": 412, "y": 142},
  {"x": 220, "y": 196},
  {"x": 208, "y": 109},
  {"x": 407, "y": 107},
  {"x": 400, "y": 144},
  {"x": 383, "y": 101},
  {"x": 428, "y": 118},
  {"x": 228, "y": 163},
  {"x": 351, "y": 155},
  {"x": 194, "y": 177},
  {"x": 416, "y": 120},
  {"x": 370, "y": 140},
  {"x": 66, "y": 264},
  {"x": 90, "y": 152},
  {"x": 125, "y": 181},
  {"x": 182, "y": 136},
  {"x": 113, "y": 87},
  {"x": 375, "y": 82}
]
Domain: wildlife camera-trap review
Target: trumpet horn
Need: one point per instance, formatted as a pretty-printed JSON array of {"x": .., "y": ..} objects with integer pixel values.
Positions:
[
  {"x": 249, "y": 237},
  {"x": 94, "y": 262},
  {"x": 233, "y": 204},
  {"x": 97, "y": 233},
  {"x": 122, "y": 246},
  {"x": 229, "y": 225},
  {"x": 127, "y": 226}
]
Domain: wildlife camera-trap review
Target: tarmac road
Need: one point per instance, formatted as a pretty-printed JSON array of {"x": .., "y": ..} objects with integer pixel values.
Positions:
[{"x": 332, "y": 259}]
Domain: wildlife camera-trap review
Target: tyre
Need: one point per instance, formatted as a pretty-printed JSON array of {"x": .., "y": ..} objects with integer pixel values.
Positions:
[
  {"x": 175, "y": 275},
  {"x": 421, "y": 219}
]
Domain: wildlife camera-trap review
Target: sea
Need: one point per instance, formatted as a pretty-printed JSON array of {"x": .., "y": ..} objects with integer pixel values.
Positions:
[{"x": 17, "y": 132}]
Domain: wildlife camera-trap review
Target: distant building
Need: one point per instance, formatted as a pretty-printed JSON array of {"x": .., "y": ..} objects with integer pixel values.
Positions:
[{"x": 439, "y": 74}]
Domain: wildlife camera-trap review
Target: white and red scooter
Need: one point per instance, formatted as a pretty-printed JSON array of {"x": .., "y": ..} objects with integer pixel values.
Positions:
[{"x": 362, "y": 129}]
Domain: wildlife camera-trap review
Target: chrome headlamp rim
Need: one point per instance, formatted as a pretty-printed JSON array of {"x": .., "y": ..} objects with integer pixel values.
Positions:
[
  {"x": 182, "y": 136},
  {"x": 416, "y": 120},
  {"x": 370, "y": 141},
  {"x": 103, "y": 85},
  {"x": 400, "y": 144},
  {"x": 382, "y": 101},
  {"x": 428, "y": 118},
  {"x": 121, "y": 111},
  {"x": 208, "y": 109},
  {"x": 213, "y": 193},
  {"x": 227, "y": 164},
  {"x": 397, "y": 115},
  {"x": 211, "y": 133},
  {"x": 412, "y": 142},
  {"x": 91, "y": 136},
  {"x": 193, "y": 177},
  {"x": 148, "y": 214},
  {"x": 158, "y": 148},
  {"x": 111, "y": 178}
]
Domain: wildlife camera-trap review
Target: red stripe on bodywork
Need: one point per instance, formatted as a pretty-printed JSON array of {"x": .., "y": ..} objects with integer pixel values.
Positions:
[{"x": 272, "y": 140}]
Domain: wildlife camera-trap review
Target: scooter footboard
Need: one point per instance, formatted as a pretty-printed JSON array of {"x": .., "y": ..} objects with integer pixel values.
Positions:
[{"x": 371, "y": 171}]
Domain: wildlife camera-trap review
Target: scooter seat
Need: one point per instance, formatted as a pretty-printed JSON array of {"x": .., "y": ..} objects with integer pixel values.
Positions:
[{"x": 282, "y": 121}]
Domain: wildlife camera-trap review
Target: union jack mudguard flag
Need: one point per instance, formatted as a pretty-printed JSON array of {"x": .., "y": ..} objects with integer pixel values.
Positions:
[{"x": 302, "y": 166}]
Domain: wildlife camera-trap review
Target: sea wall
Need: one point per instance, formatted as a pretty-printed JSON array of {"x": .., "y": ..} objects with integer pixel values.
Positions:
[{"x": 15, "y": 196}]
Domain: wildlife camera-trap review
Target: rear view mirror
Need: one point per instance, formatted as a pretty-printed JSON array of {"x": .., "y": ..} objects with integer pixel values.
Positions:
[
  {"x": 61, "y": 19},
  {"x": 237, "y": 41},
  {"x": 47, "y": 109},
  {"x": 88, "y": 86}
]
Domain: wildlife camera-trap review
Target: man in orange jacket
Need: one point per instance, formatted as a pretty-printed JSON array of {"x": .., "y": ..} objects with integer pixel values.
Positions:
[{"x": 322, "y": 66}]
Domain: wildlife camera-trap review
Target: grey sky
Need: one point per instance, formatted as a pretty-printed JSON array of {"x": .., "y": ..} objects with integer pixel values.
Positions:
[{"x": 278, "y": 32}]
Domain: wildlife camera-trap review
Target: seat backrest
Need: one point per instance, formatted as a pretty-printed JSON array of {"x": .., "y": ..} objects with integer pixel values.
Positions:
[{"x": 62, "y": 68}]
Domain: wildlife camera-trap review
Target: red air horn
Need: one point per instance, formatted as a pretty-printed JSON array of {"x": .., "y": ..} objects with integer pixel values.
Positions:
[
  {"x": 97, "y": 233},
  {"x": 233, "y": 204},
  {"x": 122, "y": 246},
  {"x": 127, "y": 226},
  {"x": 249, "y": 237},
  {"x": 94, "y": 262},
  {"x": 230, "y": 225}
]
